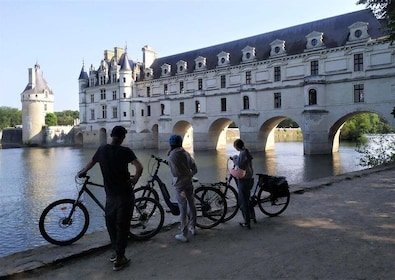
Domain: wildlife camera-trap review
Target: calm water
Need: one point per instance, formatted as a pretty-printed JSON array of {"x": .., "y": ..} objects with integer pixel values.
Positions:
[{"x": 31, "y": 178}]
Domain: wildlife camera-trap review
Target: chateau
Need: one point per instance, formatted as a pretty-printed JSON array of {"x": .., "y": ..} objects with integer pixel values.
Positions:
[{"x": 319, "y": 74}]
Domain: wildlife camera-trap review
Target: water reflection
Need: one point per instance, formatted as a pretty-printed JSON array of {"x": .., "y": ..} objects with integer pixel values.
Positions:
[{"x": 32, "y": 178}]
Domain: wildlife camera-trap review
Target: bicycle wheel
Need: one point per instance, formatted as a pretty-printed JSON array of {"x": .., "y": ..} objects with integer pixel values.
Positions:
[
  {"x": 147, "y": 220},
  {"x": 232, "y": 205},
  {"x": 146, "y": 191},
  {"x": 64, "y": 222},
  {"x": 210, "y": 207},
  {"x": 271, "y": 205}
]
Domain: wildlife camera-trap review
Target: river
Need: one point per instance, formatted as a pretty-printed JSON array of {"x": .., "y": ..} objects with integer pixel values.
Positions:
[{"x": 31, "y": 178}]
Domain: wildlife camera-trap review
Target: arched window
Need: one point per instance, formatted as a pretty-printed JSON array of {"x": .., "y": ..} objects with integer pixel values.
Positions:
[
  {"x": 246, "y": 102},
  {"x": 312, "y": 97}
]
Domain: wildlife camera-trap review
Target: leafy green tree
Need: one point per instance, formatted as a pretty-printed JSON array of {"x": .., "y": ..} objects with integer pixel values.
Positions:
[
  {"x": 361, "y": 124},
  {"x": 377, "y": 151},
  {"x": 10, "y": 117},
  {"x": 67, "y": 117},
  {"x": 288, "y": 123},
  {"x": 51, "y": 119},
  {"x": 384, "y": 10}
]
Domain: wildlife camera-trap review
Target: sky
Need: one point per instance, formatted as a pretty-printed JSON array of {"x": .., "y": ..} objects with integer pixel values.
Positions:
[{"x": 62, "y": 35}]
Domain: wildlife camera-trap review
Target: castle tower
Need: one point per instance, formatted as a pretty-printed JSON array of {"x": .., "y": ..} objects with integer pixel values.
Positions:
[
  {"x": 83, "y": 83},
  {"x": 37, "y": 100}
]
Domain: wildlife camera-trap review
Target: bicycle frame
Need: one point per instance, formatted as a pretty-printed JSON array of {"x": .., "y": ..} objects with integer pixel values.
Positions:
[
  {"x": 173, "y": 206},
  {"x": 89, "y": 192}
]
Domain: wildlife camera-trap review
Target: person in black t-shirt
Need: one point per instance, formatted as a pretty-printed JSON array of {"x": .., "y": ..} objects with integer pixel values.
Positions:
[{"x": 114, "y": 161}]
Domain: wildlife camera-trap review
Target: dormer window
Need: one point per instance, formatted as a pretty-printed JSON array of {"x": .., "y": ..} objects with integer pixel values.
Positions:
[
  {"x": 358, "y": 32},
  {"x": 223, "y": 58},
  {"x": 277, "y": 48},
  {"x": 314, "y": 40},
  {"x": 181, "y": 67},
  {"x": 200, "y": 63},
  {"x": 148, "y": 73},
  {"x": 166, "y": 70},
  {"x": 248, "y": 54}
]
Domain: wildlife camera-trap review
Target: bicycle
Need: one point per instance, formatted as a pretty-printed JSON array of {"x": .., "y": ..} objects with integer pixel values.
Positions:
[
  {"x": 65, "y": 221},
  {"x": 210, "y": 203},
  {"x": 271, "y": 194},
  {"x": 230, "y": 193}
]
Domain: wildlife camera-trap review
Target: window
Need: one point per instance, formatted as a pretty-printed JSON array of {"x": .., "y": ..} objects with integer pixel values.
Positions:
[
  {"x": 124, "y": 79},
  {"x": 200, "y": 84},
  {"x": 223, "y": 81},
  {"x": 114, "y": 95},
  {"x": 248, "y": 77},
  {"x": 197, "y": 107},
  {"x": 104, "y": 111},
  {"x": 114, "y": 78},
  {"x": 312, "y": 97},
  {"x": 124, "y": 95},
  {"x": 277, "y": 74},
  {"x": 162, "y": 109},
  {"x": 165, "y": 89},
  {"x": 142, "y": 112},
  {"x": 277, "y": 100},
  {"x": 92, "y": 114},
  {"x": 149, "y": 110},
  {"x": 124, "y": 113},
  {"x": 359, "y": 95},
  {"x": 223, "y": 104},
  {"x": 246, "y": 103},
  {"x": 314, "y": 68},
  {"x": 181, "y": 108},
  {"x": 358, "y": 62},
  {"x": 114, "y": 112},
  {"x": 181, "y": 87},
  {"x": 45, "y": 107},
  {"x": 92, "y": 98},
  {"x": 148, "y": 91}
]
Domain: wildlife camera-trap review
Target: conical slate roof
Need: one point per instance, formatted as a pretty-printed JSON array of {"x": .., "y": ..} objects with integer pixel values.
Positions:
[{"x": 39, "y": 85}]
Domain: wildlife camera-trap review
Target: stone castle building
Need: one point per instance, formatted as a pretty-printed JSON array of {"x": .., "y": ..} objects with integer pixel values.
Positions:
[{"x": 319, "y": 74}]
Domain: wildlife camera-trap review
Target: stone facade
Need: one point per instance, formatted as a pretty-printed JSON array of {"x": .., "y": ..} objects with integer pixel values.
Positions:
[{"x": 319, "y": 74}]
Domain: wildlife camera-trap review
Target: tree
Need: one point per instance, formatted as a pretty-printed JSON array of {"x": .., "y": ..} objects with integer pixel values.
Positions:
[
  {"x": 51, "y": 119},
  {"x": 384, "y": 10},
  {"x": 67, "y": 117},
  {"x": 355, "y": 128},
  {"x": 10, "y": 117}
]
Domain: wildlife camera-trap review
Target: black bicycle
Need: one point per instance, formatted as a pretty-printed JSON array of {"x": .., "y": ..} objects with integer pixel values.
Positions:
[
  {"x": 210, "y": 203},
  {"x": 65, "y": 221},
  {"x": 271, "y": 194},
  {"x": 230, "y": 193}
]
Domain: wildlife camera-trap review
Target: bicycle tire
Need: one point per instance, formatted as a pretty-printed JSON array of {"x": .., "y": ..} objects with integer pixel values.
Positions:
[
  {"x": 210, "y": 207},
  {"x": 147, "y": 219},
  {"x": 270, "y": 205},
  {"x": 232, "y": 204},
  {"x": 55, "y": 225},
  {"x": 146, "y": 191}
]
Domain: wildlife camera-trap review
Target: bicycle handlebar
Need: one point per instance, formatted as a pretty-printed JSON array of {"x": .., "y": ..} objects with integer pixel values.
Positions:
[{"x": 160, "y": 159}]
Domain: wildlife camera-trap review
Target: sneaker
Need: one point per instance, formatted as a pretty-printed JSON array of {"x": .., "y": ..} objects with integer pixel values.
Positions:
[
  {"x": 120, "y": 263},
  {"x": 192, "y": 230},
  {"x": 113, "y": 257},
  {"x": 181, "y": 238}
]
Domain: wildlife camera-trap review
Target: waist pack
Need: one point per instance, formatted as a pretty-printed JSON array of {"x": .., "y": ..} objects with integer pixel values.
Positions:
[{"x": 276, "y": 185}]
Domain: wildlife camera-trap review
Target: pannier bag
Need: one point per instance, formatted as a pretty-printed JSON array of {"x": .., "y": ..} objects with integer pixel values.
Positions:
[{"x": 276, "y": 185}]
